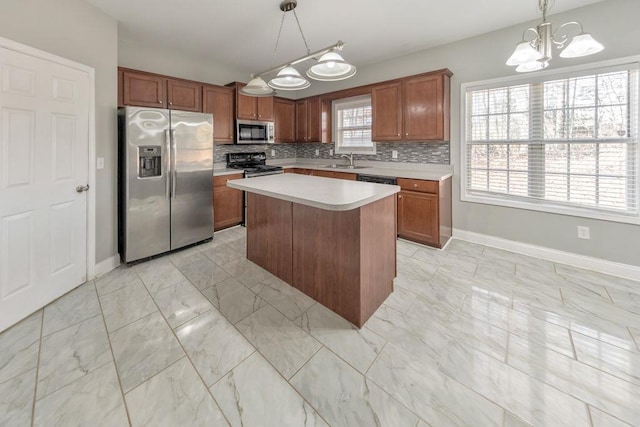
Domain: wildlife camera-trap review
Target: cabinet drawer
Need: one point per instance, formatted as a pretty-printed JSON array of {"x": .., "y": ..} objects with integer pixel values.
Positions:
[
  {"x": 419, "y": 185},
  {"x": 221, "y": 181}
]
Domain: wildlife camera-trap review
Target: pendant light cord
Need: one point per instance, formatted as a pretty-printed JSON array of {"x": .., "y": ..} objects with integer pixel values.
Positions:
[
  {"x": 273, "y": 55},
  {"x": 301, "y": 33}
]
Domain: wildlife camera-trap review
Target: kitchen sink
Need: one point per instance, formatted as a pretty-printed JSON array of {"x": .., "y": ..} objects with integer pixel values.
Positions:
[{"x": 345, "y": 167}]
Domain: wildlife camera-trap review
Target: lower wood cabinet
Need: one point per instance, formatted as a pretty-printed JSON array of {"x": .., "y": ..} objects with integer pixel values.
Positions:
[
  {"x": 326, "y": 173},
  {"x": 424, "y": 211},
  {"x": 227, "y": 203}
]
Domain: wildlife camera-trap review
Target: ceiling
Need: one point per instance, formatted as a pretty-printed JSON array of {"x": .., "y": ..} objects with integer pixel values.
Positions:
[{"x": 242, "y": 33}]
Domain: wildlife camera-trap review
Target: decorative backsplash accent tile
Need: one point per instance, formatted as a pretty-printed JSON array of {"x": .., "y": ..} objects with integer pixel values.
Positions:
[{"x": 408, "y": 152}]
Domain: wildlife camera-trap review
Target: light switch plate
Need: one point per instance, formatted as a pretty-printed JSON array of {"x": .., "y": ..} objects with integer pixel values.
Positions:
[
  {"x": 100, "y": 163},
  {"x": 331, "y": 151},
  {"x": 394, "y": 154},
  {"x": 317, "y": 152},
  {"x": 273, "y": 153}
]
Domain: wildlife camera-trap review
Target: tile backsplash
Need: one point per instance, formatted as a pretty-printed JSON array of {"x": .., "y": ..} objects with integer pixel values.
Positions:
[{"x": 408, "y": 152}]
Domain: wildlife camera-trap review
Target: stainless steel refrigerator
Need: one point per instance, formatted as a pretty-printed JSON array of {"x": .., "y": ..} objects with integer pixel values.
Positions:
[{"x": 165, "y": 188}]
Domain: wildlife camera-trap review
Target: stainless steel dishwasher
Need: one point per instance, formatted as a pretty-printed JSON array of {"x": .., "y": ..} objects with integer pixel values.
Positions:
[{"x": 377, "y": 179}]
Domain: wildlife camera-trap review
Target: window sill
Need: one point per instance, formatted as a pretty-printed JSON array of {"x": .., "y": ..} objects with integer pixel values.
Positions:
[{"x": 545, "y": 207}]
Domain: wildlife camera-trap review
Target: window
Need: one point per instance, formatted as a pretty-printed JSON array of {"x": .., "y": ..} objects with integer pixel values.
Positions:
[
  {"x": 352, "y": 125},
  {"x": 563, "y": 143}
]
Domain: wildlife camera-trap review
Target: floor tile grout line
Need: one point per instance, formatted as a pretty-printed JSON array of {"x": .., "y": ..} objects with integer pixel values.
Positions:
[
  {"x": 35, "y": 387},
  {"x": 113, "y": 359},
  {"x": 186, "y": 354}
]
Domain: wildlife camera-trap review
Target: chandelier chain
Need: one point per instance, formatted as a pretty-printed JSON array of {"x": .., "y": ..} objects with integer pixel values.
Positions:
[
  {"x": 301, "y": 33},
  {"x": 273, "y": 55}
]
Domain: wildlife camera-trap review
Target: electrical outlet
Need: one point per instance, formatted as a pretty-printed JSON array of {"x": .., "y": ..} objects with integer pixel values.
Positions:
[
  {"x": 273, "y": 153},
  {"x": 100, "y": 163},
  {"x": 331, "y": 151},
  {"x": 317, "y": 152},
  {"x": 394, "y": 154},
  {"x": 583, "y": 232}
]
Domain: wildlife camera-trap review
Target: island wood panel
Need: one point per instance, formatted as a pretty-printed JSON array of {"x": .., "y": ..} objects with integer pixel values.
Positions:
[
  {"x": 346, "y": 260},
  {"x": 377, "y": 254},
  {"x": 326, "y": 256},
  {"x": 269, "y": 242}
]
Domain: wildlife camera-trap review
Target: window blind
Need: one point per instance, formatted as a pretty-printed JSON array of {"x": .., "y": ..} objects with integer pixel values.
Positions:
[
  {"x": 565, "y": 140},
  {"x": 353, "y": 123}
]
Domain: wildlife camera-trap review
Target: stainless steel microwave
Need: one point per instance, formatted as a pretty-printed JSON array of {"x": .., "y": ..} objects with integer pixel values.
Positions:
[{"x": 254, "y": 132}]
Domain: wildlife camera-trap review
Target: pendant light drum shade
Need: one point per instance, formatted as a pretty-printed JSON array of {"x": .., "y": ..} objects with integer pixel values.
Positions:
[{"x": 331, "y": 66}]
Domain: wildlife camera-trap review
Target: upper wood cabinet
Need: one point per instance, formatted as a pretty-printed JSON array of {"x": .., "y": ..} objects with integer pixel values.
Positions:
[
  {"x": 184, "y": 95},
  {"x": 309, "y": 120},
  {"x": 412, "y": 109},
  {"x": 386, "y": 109},
  {"x": 218, "y": 101},
  {"x": 284, "y": 120},
  {"x": 143, "y": 89},
  {"x": 426, "y": 108},
  {"x": 252, "y": 107}
]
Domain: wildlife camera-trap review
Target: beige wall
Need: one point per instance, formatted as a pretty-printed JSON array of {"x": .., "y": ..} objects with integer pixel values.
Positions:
[
  {"x": 75, "y": 30},
  {"x": 615, "y": 23}
]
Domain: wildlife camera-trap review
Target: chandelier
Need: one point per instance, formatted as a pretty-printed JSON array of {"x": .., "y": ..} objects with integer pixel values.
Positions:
[
  {"x": 535, "y": 54},
  {"x": 329, "y": 65}
]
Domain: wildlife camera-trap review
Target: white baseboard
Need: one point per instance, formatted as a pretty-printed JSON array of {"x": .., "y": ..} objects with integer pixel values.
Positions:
[
  {"x": 106, "y": 266},
  {"x": 626, "y": 271}
]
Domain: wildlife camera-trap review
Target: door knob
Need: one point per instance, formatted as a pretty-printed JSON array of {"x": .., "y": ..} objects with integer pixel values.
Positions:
[{"x": 81, "y": 188}]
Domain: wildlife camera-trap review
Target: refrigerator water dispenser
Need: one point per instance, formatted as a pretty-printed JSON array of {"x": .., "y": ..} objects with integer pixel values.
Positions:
[{"x": 149, "y": 161}]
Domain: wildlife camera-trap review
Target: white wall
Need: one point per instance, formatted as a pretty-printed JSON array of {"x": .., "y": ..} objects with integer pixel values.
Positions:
[
  {"x": 615, "y": 23},
  {"x": 75, "y": 30}
]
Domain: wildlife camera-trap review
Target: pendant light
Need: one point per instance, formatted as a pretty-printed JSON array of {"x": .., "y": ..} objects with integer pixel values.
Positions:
[
  {"x": 535, "y": 54},
  {"x": 330, "y": 65}
]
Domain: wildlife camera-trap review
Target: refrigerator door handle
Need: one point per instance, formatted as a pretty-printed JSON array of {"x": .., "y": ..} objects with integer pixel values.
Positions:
[
  {"x": 174, "y": 177},
  {"x": 167, "y": 140}
]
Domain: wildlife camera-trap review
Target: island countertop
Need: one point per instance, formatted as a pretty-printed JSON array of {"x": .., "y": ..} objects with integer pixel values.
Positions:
[{"x": 319, "y": 192}]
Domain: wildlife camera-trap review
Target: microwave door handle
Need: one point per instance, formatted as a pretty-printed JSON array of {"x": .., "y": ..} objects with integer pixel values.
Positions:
[{"x": 167, "y": 140}]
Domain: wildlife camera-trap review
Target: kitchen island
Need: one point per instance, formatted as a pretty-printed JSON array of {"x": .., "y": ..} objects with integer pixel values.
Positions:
[{"x": 333, "y": 239}]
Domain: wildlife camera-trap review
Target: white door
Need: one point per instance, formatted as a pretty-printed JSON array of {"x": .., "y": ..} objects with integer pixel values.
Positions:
[{"x": 44, "y": 119}]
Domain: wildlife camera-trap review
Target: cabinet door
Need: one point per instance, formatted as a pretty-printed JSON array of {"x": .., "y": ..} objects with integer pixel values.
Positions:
[
  {"x": 143, "y": 90},
  {"x": 185, "y": 96},
  {"x": 219, "y": 102},
  {"x": 326, "y": 174},
  {"x": 313, "y": 120},
  {"x": 418, "y": 217},
  {"x": 227, "y": 203},
  {"x": 302, "y": 171},
  {"x": 246, "y": 106},
  {"x": 120, "y": 88},
  {"x": 265, "y": 108},
  {"x": 424, "y": 108},
  {"x": 285, "y": 120},
  {"x": 301, "y": 121},
  {"x": 386, "y": 110},
  {"x": 345, "y": 175}
]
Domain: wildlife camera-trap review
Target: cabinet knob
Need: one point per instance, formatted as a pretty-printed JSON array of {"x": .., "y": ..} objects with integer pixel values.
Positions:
[
  {"x": 398, "y": 134},
  {"x": 415, "y": 185},
  {"x": 407, "y": 134},
  {"x": 159, "y": 101},
  {"x": 259, "y": 115},
  {"x": 170, "y": 103},
  {"x": 400, "y": 196}
]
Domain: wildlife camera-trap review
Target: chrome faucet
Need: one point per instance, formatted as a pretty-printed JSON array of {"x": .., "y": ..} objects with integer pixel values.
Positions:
[{"x": 350, "y": 157}]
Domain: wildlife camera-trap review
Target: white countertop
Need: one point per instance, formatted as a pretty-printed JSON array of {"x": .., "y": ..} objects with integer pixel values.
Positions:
[
  {"x": 324, "y": 193},
  {"x": 390, "y": 169}
]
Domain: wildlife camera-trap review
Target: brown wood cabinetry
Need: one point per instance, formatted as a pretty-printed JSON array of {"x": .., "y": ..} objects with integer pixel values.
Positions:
[
  {"x": 227, "y": 203},
  {"x": 184, "y": 95},
  {"x": 309, "y": 120},
  {"x": 412, "y": 109},
  {"x": 142, "y": 89},
  {"x": 386, "y": 110},
  {"x": 284, "y": 112},
  {"x": 218, "y": 101},
  {"x": 251, "y": 107},
  {"x": 424, "y": 211},
  {"x": 426, "y": 108}
]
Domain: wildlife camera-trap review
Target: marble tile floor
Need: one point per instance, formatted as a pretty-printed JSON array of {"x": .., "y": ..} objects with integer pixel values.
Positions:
[{"x": 471, "y": 336}]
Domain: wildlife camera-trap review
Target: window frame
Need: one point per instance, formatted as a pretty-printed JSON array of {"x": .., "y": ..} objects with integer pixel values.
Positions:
[
  {"x": 545, "y": 205},
  {"x": 339, "y": 149}
]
